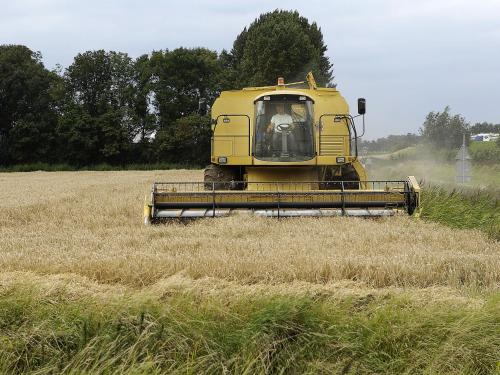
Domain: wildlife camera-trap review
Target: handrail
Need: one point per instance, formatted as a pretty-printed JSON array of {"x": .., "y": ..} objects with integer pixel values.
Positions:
[{"x": 350, "y": 120}]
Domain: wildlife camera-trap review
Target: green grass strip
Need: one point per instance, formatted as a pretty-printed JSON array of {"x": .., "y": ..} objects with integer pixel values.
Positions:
[
  {"x": 189, "y": 334},
  {"x": 475, "y": 209}
]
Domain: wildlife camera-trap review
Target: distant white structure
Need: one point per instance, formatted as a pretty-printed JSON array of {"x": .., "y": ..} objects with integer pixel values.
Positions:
[
  {"x": 463, "y": 169},
  {"x": 148, "y": 135},
  {"x": 484, "y": 137}
]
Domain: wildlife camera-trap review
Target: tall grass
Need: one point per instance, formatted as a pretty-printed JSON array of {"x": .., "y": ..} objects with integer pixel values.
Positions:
[
  {"x": 474, "y": 205},
  {"x": 485, "y": 152},
  {"x": 474, "y": 209},
  {"x": 190, "y": 334}
]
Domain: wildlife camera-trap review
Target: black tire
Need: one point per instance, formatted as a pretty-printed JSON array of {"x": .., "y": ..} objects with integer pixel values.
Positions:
[
  {"x": 348, "y": 173},
  {"x": 220, "y": 178}
]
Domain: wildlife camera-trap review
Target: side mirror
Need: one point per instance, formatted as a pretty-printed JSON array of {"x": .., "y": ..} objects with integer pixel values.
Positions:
[{"x": 361, "y": 106}]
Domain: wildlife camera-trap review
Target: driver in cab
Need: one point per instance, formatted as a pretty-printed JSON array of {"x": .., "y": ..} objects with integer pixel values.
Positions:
[{"x": 280, "y": 122}]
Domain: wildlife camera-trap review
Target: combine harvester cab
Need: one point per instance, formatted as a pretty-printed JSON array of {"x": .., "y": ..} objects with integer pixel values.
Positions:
[{"x": 283, "y": 151}]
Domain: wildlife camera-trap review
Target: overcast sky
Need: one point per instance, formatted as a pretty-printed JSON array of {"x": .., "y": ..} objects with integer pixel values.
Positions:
[{"x": 406, "y": 58}]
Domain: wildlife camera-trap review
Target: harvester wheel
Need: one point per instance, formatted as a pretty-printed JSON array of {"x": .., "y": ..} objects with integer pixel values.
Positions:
[
  {"x": 220, "y": 178},
  {"x": 350, "y": 174},
  {"x": 347, "y": 173}
]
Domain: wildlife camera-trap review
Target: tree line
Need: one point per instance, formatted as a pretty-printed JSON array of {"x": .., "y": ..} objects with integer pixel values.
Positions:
[
  {"x": 106, "y": 106},
  {"x": 441, "y": 129}
]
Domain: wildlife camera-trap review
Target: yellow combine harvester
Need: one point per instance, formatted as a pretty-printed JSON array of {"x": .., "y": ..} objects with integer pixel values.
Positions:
[{"x": 285, "y": 150}]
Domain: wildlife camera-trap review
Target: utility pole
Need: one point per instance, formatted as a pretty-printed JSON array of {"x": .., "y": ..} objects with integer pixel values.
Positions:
[{"x": 463, "y": 168}]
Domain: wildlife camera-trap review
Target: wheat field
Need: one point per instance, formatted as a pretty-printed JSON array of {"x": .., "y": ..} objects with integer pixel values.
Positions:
[
  {"x": 85, "y": 287},
  {"x": 88, "y": 224}
]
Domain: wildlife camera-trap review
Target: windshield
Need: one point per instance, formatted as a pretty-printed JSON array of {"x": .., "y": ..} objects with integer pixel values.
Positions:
[{"x": 283, "y": 130}]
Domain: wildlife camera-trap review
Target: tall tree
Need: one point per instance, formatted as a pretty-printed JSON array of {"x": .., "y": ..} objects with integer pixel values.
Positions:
[
  {"x": 280, "y": 43},
  {"x": 27, "y": 106},
  {"x": 98, "y": 121},
  {"x": 444, "y": 130},
  {"x": 142, "y": 95},
  {"x": 181, "y": 78},
  {"x": 485, "y": 127},
  {"x": 187, "y": 140}
]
